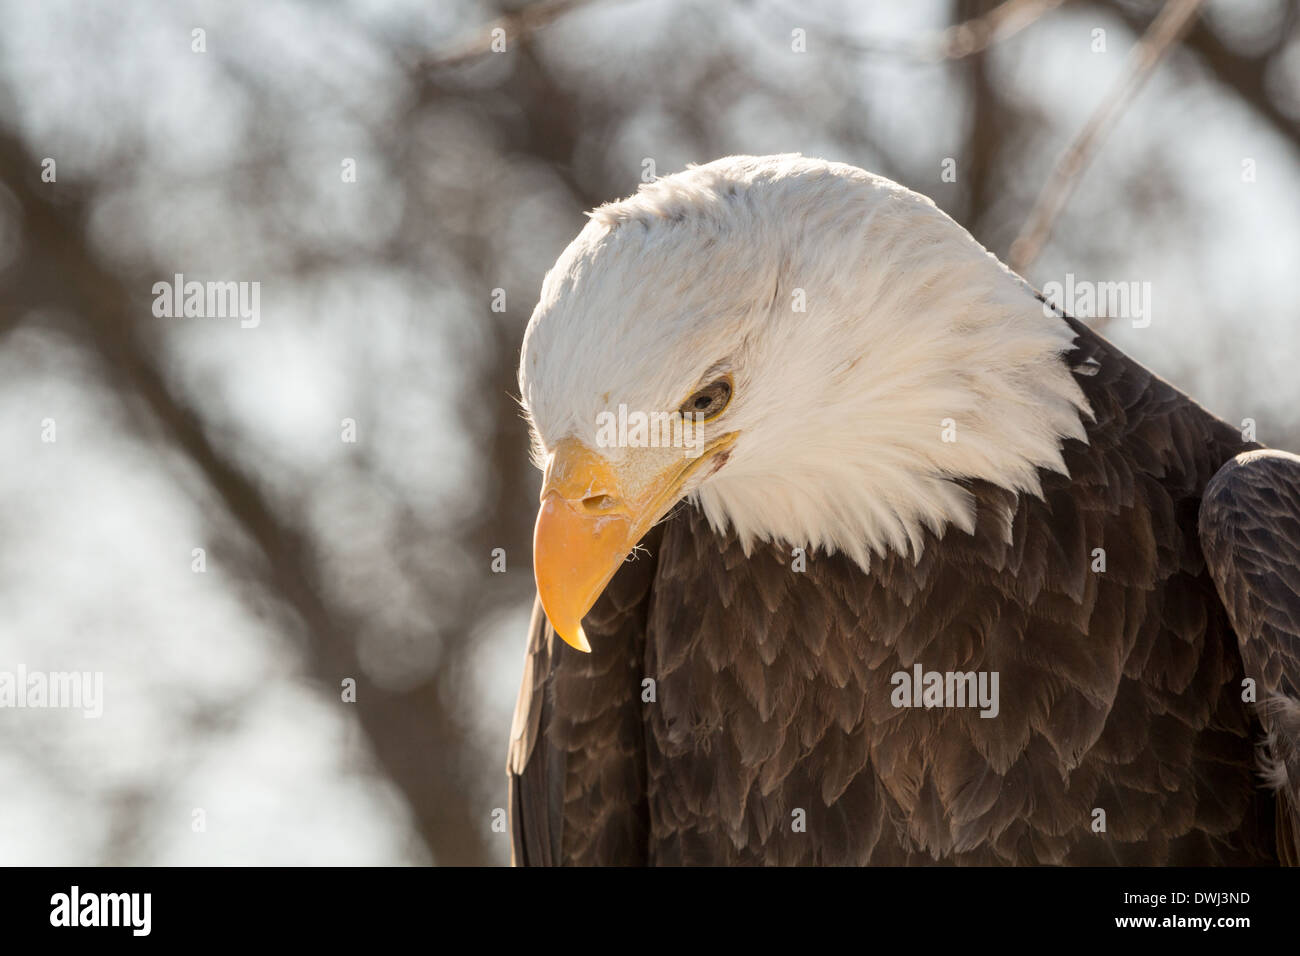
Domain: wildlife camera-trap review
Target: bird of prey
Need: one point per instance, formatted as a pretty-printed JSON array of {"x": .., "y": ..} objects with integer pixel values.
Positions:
[{"x": 925, "y": 571}]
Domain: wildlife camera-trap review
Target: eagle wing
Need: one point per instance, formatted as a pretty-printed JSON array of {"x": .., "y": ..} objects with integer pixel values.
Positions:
[
  {"x": 577, "y": 766},
  {"x": 1250, "y": 532}
]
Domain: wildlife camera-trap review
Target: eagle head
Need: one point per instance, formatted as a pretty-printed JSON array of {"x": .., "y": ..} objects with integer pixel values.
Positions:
[{"x": 810, "y": 353}]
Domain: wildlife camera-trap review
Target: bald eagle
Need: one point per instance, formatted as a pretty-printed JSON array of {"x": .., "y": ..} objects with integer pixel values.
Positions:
[{"x": 921, "y": 569}]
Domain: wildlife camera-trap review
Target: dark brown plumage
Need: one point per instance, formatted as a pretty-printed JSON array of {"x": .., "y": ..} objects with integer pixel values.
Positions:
[
  {"x": 1120, "y": 690},
  {"x": 1250, "y": 529}
]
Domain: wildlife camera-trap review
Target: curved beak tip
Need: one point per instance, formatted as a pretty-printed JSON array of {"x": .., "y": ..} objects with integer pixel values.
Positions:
[
  {"x": 574, "y": 556},
  {"x": 578, "y": 641}
]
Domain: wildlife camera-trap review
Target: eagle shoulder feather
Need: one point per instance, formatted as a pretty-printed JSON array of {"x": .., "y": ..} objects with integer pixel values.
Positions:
[{"x": 1250, "y": 531}]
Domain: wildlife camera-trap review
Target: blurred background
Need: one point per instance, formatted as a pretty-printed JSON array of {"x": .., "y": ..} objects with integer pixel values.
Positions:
[{"x": 184, "y": 506}]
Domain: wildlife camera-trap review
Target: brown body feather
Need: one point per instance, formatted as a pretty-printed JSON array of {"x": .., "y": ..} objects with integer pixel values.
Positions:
[
  {"x": 1120, "y": 690},
  {"x": 1250, "y": 528}
]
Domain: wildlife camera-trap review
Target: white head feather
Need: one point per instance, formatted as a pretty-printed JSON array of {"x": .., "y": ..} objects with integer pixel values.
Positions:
[{"x": 840, "y": 408}]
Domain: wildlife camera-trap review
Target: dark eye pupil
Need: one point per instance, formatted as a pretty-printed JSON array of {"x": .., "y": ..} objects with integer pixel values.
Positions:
[{"x": 709, "y": 400}]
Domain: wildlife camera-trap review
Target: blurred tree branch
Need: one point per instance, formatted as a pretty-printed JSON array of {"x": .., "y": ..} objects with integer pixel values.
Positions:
[
  {"x": 972, "y": 33},
  {"x": 406, "y": 730},
  {"x": 515, "y": 26},
  {"x": 988, "y": 124},
  {"x": 1163, "y": 33},
  {"x": 1245, "y": 74}
]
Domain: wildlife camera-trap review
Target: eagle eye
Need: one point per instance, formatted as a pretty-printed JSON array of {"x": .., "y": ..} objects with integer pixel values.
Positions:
[{"x": 709, "y": 401}]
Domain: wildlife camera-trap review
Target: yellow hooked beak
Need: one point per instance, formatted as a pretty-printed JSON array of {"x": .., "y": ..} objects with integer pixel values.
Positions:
[{"x": 591, "y": 518}]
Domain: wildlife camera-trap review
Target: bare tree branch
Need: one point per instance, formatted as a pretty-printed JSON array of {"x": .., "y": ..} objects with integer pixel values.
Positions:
[
  {"x": 1244, "y": 74},
  {"x": 514, "y": 26},
  {"x": 1175, "y": 17},
  {"x": 415, "y": 734},
  {"x": 971, "y": 36}
]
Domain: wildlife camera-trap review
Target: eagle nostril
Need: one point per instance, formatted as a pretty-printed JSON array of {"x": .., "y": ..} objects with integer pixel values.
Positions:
[{"x": 598, "y": 504}]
